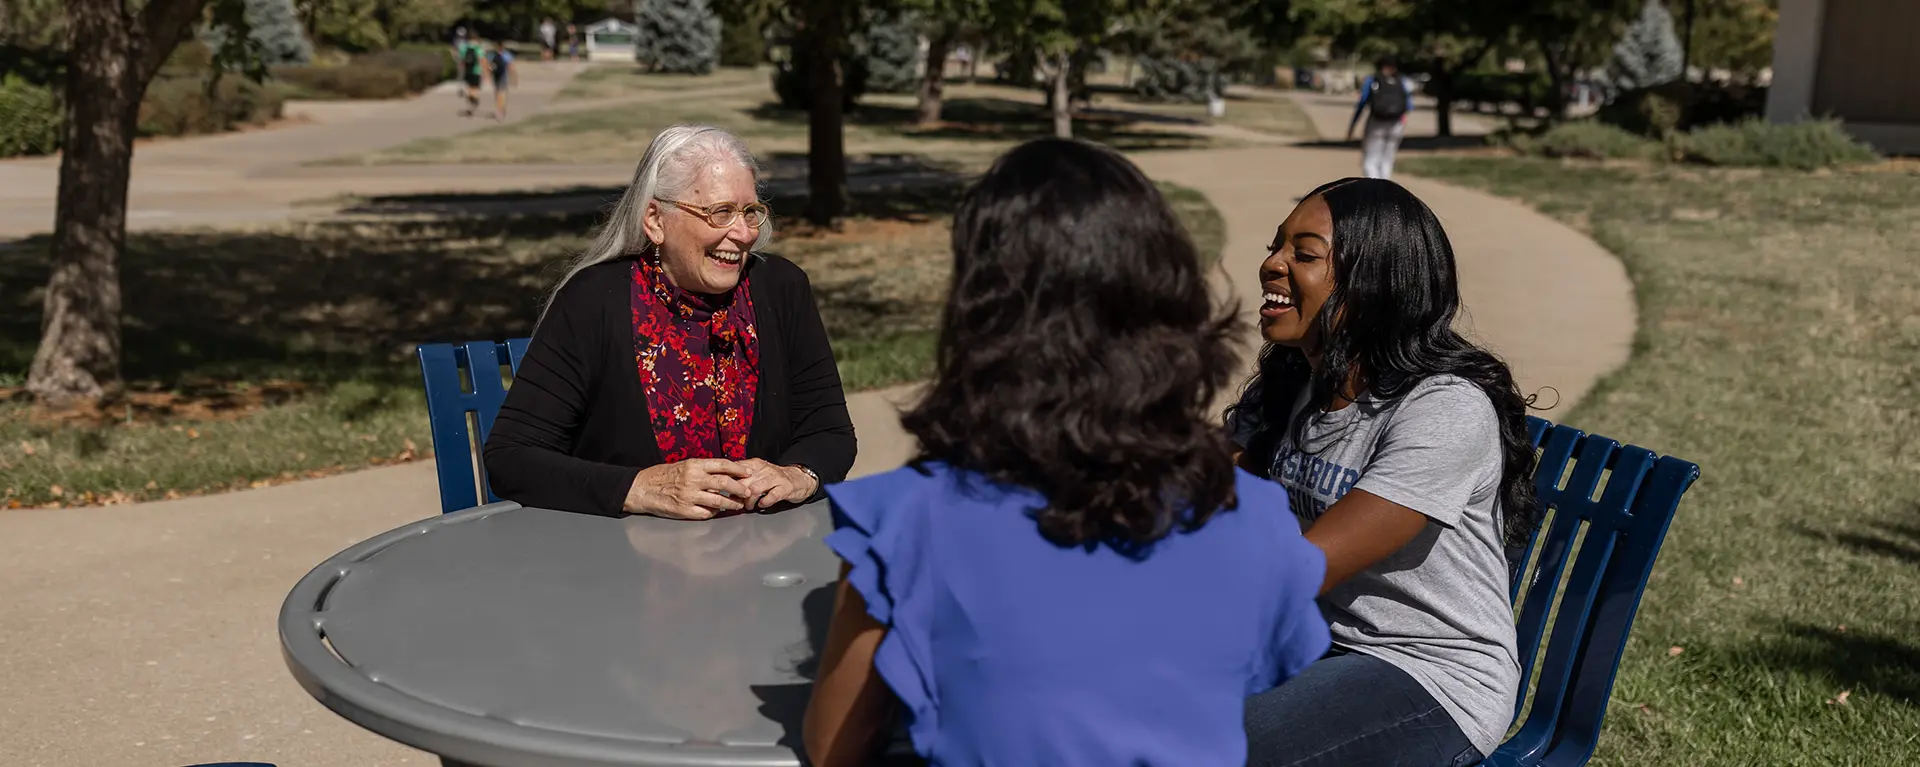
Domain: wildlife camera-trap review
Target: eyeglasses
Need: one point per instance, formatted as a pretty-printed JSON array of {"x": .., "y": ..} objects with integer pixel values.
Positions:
[{"x": 722, "y": 215}]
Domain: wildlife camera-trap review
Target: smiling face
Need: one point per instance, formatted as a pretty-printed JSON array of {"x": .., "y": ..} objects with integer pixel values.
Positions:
[
  {"x": 1297, "y": 276},
  {"x": 697, "y": 256}
]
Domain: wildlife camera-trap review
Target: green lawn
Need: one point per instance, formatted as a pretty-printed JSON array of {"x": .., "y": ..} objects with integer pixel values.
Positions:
[
  {"x": 979, "y": 122},
  {"x": 272, "y": 355},
  {"x": 1778, "y": 340}
]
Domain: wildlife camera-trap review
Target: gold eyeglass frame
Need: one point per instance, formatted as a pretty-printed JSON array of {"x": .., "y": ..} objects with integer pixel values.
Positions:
[{"x": 707, "y": 213}]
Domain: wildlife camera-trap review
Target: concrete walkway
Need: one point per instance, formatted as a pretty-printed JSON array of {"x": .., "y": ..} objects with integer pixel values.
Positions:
[{"x": 144, "y": 635}]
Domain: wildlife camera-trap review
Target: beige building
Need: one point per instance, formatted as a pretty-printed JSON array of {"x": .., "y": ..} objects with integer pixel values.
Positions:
[{"x": 1856, "y": 60}]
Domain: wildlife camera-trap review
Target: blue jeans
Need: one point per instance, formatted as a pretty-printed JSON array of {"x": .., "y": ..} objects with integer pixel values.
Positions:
[{"x": 1353, "y": 709}]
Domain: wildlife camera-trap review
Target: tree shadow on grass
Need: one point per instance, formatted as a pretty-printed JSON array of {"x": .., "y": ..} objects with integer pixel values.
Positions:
[
  {"x": 1886, "y": 663},
  {"x": 349, "y": 298},
  {"x": 1898, "y": 540}
]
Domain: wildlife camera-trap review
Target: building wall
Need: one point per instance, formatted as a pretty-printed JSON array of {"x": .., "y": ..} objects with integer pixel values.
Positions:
[
  {"x": 1869, "y": 61},
  {"x": 1857, "y": 60}
]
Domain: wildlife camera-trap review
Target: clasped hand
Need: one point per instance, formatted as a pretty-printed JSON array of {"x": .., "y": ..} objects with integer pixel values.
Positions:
[{"x": 701, "y": 488}]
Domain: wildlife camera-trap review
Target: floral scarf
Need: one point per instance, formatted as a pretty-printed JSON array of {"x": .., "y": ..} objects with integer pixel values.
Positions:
[{"x": 699, "y": 360}]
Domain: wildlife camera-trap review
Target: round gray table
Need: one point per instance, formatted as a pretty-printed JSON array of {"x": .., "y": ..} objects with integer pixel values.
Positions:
[{"x": 516, "y": 637}]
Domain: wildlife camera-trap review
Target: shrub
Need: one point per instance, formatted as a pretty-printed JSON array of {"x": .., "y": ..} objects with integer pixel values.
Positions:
[
  {"x": 1656, "y": 112},
  {"x": 30, "y": 118},
  {"x": 1713, "y": 103},
  {"x": 182, "y": 106},
  {"x": 892, "y": 46},
  {"x": 678, "y": 37},
  {"x": 1757, "y": 143},
  {"x": 425, "y": 68},
  {"x": 353, "y": 81},
  {"x": 384, "y": 75},
  {"x": 1590, "y": 140}
]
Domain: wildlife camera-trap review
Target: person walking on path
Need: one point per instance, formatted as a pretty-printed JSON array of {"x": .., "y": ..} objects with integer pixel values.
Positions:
[
  {"x": 548, "y": 40},
  {"x": 1386, "y": 98},
  {"x": 573, "y": 42},
  {"x": 500, "y": 67},
  {"x": 469, "y": 57}
]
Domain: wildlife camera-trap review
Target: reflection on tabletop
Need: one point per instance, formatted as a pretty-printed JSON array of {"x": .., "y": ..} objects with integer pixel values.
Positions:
[{"x": 709, "y": 574}]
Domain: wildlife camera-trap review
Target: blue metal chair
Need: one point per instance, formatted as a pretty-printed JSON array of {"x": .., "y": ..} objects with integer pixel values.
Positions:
[
  {"x": 1593, "y": 611},
  {"x": 456, "y": 387}
]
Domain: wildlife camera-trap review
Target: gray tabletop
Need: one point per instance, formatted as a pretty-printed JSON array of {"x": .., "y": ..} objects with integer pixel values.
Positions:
[{"x": 517, "y": 637}]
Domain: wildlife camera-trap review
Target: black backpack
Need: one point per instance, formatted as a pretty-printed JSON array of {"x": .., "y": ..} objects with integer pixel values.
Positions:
[
  {"x": 470, "y": 59},
  {"x": 1389, "y": 98}
]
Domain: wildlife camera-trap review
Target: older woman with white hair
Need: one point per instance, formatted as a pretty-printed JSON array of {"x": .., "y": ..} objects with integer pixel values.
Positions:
[{"x": 676, "y": 371}]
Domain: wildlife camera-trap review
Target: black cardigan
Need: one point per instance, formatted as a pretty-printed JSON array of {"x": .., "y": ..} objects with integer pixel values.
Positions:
[{"x": 574, "y": 429}]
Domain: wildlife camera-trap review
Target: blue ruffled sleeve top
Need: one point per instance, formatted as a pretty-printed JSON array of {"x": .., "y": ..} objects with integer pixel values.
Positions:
[{"x": 1005, "y": 649}]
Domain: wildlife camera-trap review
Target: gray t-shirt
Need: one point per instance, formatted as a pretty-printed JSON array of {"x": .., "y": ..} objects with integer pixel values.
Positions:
[{"x": 1438, "y": 608}]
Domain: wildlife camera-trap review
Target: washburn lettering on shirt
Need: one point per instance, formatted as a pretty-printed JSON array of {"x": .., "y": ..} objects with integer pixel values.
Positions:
[{"x": 1313, "y": 483}]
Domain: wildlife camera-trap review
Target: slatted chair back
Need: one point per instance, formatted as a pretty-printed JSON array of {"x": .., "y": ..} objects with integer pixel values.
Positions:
[
  {"x": 464, "y": 392},
  {"x": 1589, "y": 567}
]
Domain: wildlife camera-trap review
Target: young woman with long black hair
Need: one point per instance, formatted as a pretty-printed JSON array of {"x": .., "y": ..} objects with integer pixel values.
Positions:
[
  {"x": 1403, "y": 449},
  {"x": 1071, "y": 572}
]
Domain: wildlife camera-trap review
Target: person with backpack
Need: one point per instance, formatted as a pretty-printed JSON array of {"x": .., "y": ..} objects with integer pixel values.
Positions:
[
  {"x": 469, "y": 53},
  {"x": 1385, "y": 98},
  {"x": 501, "y": 69}
]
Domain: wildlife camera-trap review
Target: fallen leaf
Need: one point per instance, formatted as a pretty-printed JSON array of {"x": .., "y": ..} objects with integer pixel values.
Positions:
[
  {"x": 1843, "y": 627},
  {"x": 369, "y": 438},
  {"x": 404, "y": 455},
  {"x": 1675, "y": 651},
  {"x": 193, "y": 434},
  {"x": 259, "y": 483},
  {"x": 1645, "y": 708},
  {"x": 315, "y": 474},
  {"x": 1738, "y": 582},
  {"x": 1839, "y": 700},
  {"x": 408, "y": 444},
  {"x": 13, "y": 503},
  {"x": 173, "y": 495},
  {"x": 299, "y": 456},
  {"x": 376, "y": 460},
  {"x": 54, "y": 505},
  {"x": 57, "y": 491},
  {"x": 26, "y": 447},
  {"x": 152, "y": 485}
]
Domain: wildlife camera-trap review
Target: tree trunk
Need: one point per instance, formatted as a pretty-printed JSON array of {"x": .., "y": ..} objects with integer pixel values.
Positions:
[
  {"x": 826, "y": 141},
  {"x": 111, "y": 58},
  {"x": 933, "y": 84},
  {"x": 1062, "y": 106},
  {"x": 1556, "y": 85}
]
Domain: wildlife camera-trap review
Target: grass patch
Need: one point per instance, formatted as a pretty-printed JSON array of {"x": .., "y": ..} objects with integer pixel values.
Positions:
[
  {"x": 611, "y": 81},
  {"x": 1776, "y": 348},
  {"x": 980, "y": 122},
  {"x": 271, "y": 355}
]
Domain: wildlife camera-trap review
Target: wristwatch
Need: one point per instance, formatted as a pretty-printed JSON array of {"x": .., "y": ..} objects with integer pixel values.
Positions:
[{"x": 817, "y": 484}]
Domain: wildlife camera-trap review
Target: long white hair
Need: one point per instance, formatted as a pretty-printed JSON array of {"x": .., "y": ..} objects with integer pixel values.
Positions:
[{"x": 668, "y": 170}]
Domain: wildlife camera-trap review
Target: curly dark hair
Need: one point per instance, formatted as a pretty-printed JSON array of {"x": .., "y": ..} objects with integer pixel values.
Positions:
[
  {"x": 1396, "y": 292},
  {"x": 1080, "y": 350}
]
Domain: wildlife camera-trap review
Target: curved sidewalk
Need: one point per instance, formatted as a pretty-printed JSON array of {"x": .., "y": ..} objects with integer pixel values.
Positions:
[{"x": 144, "y": 635}]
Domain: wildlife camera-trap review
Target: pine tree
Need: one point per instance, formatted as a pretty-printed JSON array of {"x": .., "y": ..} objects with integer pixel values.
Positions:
[
  {"x": 892, "y": 47},
  {"x": 678, "y": 36},
  {"x": 1649, "y": 53},
  {"x": 277, "y": 28}
]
